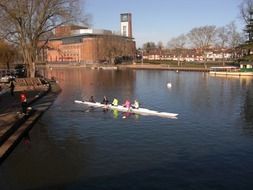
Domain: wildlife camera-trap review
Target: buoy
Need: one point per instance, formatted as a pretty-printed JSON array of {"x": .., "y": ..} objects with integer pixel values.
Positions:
[{"x": 169, "y": 85}]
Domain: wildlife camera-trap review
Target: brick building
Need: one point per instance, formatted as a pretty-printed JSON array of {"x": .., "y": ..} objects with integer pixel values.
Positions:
[{"x": 81, "y": 44}]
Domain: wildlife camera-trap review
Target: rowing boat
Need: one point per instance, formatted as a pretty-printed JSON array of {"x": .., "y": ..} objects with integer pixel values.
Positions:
[{"x": 141, "y": 111}]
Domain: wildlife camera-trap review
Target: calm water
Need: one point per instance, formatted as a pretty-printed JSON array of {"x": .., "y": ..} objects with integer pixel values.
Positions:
[{"x": 209, "y": 146}]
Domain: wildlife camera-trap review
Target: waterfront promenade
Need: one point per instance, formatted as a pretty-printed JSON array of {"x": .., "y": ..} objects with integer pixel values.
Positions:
[
  {"x": 163, "y": 67},
  {"x": 129, "y": 66},
  {"x": 13, "y": 124}
]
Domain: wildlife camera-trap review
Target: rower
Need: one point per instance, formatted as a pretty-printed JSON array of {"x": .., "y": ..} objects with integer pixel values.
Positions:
[
  {"x": 105, "y": 101},
  {"x": 115, "y": 102},
  {"x": 136, "y": 104},
  {"x": 91, "y": 99},
  {"x": 127, "y": 104}
]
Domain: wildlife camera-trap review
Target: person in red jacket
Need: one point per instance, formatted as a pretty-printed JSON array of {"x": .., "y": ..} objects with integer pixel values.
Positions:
[{"x": 23, "y": 100}]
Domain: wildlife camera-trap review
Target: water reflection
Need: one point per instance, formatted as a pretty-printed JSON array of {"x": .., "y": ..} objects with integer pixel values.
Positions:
[
  {"x": 93, "y": 82},
  {"x": 248, "y": 106},
  {"x": 27, "y": 139},
  {"x": 246, "y": 97},
  {"x": 115, "y": 113},
  {"x": 58, "y": 160},
  {"x": 74, "y": 147},
  {"x": 198, "y": 92}
]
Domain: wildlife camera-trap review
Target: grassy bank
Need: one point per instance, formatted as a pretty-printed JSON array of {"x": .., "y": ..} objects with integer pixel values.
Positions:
[{"x": 170, "y": 63}]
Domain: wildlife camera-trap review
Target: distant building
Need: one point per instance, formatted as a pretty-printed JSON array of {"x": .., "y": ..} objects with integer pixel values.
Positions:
[
  {"x": 126, "y": 25},
  {"x": 218, "y": 54},
  {"x": 86, "y": 45},
  {"x": 246, "y": 66},
  {"x": 190, "y": 55},
  {"x": 62, "y": 31}
]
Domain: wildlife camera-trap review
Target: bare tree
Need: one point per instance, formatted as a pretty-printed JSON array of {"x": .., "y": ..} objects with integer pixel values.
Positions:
[
  {"x": 24, "y": 22},
  {"x": 112, "y": 48},
  {"x": 160, "y": 48},
  {"x": 7, "y": 54},
  {"x": 222, "y": 40},
  {"x": 178, "y": 44},
  {"x": 234, "y": 37},
  {"x": 202, "y": 37},
  {"x": 149, "y": 48}
]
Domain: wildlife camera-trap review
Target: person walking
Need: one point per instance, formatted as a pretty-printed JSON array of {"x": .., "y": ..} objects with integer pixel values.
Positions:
[
  {"x": 23, "y": 100},
  {"x": 12, "y": 86}
]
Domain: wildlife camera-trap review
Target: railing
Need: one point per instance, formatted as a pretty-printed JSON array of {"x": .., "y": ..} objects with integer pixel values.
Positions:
[
  {"x": 4, "y": 72},
  {"x": 224, "y": 69}
]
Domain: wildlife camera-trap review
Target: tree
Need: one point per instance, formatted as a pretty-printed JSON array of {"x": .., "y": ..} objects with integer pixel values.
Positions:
[
  {"x": 111, "y": 48},
  {"x": 114, "y": 49},
  {"x": 178, "y": 44},
  {"x": 25, "y": 22},
  {"x": 246, "y": 12},
  {"x": 234, "y": 37},
  {"x": 160, "y": 48},
  {"x": 222, "y": 40},
  {"x": 7, "y": 54},
  {"x": 202, "y": 37},
  {"x": 149, "y": 47}
]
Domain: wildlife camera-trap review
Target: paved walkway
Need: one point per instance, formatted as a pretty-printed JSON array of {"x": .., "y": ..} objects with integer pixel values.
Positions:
[
  {"x": 14, "y": 125},
  {"x": 162, "y": 67}
]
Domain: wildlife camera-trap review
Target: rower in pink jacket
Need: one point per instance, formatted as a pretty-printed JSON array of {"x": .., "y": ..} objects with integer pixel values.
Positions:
[{"x": 127, "y": 104}]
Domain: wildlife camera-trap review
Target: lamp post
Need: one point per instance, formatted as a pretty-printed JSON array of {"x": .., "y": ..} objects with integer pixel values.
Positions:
[{"x": 142, "y": 57}]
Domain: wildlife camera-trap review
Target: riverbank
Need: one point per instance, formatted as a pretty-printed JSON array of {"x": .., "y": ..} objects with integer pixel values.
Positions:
[
  {"x": 218, "y": 73},
  {"x": 128, "y": 66},
  {"x": 149, "y": 66},
  {"x": 14, "y": 125},
  {"x": 162, "y": 67}
]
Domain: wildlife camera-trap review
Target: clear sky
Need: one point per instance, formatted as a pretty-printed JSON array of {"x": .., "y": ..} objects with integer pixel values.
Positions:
[{"x": 160, "y": 20}]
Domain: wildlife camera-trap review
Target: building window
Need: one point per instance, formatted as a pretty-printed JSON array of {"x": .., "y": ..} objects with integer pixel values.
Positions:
[{"x": 124, "y": 31}]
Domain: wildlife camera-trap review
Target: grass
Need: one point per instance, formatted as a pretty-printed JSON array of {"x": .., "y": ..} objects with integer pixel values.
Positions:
[
  {"x": 246, "y": 70},
  {"x": 171, "y": 63}
]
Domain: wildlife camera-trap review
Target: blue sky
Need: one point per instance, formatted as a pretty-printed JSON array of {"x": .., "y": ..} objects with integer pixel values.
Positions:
[{"x": 160, "y": 20}]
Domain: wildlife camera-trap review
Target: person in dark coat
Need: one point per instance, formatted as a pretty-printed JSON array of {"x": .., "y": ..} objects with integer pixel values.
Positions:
[
  {"x": 12, "y": 87},
  {"x": 92, "y": 99},
  {"x": 105, "y": 100}
]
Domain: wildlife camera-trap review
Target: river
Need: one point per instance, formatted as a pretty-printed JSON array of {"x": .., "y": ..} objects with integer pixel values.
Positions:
[{"x": 209, "y": 145}]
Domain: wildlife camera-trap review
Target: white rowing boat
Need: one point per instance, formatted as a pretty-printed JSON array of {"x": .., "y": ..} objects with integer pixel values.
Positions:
[{"x": 141, "y": 111}]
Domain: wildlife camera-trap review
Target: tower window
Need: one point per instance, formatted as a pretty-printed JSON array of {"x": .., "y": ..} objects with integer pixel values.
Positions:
[{"x": 124, "y": 30}]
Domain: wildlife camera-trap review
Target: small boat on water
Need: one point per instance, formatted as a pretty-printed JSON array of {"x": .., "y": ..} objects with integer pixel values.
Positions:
[{"x": 141, "y": 111}]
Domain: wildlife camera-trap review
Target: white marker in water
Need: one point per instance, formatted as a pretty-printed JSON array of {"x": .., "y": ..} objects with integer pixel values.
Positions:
[{"x": 169, "y": 85}]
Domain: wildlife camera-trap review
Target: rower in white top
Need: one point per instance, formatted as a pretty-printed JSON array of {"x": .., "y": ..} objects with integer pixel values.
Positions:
[{"x": 136, "y": 104}]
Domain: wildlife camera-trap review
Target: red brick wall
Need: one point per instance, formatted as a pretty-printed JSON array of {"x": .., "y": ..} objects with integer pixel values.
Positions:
[{"x": 92, "y": 49}]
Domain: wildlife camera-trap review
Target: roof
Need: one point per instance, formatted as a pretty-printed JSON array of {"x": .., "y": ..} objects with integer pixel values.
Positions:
[
  {"x": 246, "y": 63},
  {"x": 86, "y": 35}
]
